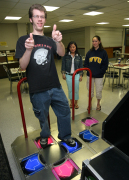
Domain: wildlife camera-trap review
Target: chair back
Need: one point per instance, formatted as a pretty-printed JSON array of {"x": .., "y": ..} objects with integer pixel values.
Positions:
[
  {"x": 113, "y": 73},
  {"x": 7, "y": 71},
  {"x": 21, "y": 73},
  {"x": 127, "y": 61}
]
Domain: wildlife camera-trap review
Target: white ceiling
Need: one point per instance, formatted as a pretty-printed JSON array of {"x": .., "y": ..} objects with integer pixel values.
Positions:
[{"x": 114, "y": 12}]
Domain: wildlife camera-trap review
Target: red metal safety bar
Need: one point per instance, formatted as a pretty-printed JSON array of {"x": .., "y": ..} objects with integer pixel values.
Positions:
[
  {"x": 21, "y": 107},
  {"x": 73, "y": 88}
]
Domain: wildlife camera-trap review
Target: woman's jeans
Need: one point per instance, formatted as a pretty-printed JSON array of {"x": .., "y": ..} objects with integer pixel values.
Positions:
[
  {"x": 59, "y": 103},
  {"x": 69, "y": 84}
]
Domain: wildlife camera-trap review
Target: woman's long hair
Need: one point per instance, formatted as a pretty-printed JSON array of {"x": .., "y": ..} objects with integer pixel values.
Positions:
[
  {"x": 100, "y": 45},
  {"x": 68, "y": 50}
]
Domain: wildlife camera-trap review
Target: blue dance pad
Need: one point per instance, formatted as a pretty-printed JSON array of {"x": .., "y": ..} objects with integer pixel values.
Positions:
[
  {"x": 70, "y": 149},
  {"x": 32, "y": 164},
  {"x": 88, "y": 136}
]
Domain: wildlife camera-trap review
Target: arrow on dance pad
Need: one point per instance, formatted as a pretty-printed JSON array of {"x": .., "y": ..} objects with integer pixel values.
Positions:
[
  {"x": 65, "y": 170},
  {"x": 32, "y": 164}
]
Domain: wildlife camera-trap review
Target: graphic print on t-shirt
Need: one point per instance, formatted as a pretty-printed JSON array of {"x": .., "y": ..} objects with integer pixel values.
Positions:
[
  {"x": 95, "y": 59},
  {"x": 41, "y": 56}
]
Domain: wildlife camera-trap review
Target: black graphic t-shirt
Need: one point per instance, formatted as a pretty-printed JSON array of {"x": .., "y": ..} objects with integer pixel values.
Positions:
[{"x": 41, "y": 70}]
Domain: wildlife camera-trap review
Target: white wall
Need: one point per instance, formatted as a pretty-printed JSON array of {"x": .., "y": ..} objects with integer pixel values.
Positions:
[
  {"x": 110, "y": 37},
  {"x": 22, "y": 29},
  {"x": 31, "y": 27},
  {"x": 8, "y": 34},
  {"x": 89, "y": 33},
  {"x": 76, "y": 35}
]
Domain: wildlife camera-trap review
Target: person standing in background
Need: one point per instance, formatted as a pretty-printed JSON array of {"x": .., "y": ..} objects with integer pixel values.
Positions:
[
  {"x": 36, "y": 54},
  {"x": 97, "y": 61},
  {"x": 70, "y": 62}
]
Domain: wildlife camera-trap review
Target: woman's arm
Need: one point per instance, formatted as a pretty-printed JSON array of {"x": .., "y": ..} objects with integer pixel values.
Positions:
[
  {"x": 63, "y": 67},
  {"x": 86, "y": 63},
  {"x": 81, "y": 66},
  {"x": 105, "y": 62}
]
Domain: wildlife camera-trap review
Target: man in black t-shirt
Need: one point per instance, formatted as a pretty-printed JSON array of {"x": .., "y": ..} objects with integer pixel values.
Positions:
[{"x": 36, "y": 54}]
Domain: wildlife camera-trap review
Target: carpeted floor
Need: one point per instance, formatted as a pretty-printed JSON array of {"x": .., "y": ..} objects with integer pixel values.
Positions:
[{"x": 5, "y": 171}]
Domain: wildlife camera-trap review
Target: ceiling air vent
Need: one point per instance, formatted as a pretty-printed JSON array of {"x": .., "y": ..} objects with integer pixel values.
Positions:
[
  {"x": 92, "y": 8},
  {"x": 69, "y": 15}
]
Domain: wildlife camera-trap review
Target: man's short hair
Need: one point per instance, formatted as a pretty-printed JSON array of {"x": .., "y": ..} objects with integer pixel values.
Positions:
[{"x": 39, "y": 7}]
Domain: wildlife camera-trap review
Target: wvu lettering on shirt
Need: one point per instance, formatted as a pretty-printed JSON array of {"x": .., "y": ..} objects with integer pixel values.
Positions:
[
  {"x": 95, "y": 59},
  {"x": 42, "y": 45}
]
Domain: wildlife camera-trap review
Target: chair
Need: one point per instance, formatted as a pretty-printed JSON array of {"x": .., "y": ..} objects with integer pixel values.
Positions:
[
  {"x": 10, "y": 77},
  {"x": 21, "y": 73},
  {"x": 111, "y": 75},
  {"x": 125, "y": 76}
]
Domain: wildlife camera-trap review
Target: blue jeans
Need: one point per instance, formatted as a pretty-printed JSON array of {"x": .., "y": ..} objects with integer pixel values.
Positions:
[
  {"x": 59, "y": 103},
  {"x": 69, "y": 85}
]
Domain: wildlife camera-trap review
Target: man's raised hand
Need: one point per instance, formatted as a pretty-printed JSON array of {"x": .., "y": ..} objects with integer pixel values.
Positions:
[
  {"x": 29, "y": 43},
  {"x": 56, "y": 34}
]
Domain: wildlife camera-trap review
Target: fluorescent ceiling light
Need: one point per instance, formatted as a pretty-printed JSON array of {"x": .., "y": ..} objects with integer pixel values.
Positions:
[
  {"x": 103, "y": 23},
  {"x": 126, "y": 25},
  {"x": 93, "y": 13},
  {"x": 12, "y": 18},
  {"x": 126, "y": 18},
  {"x": 47, "y": 26},
  {"x": 51, "y": 8},
  {"x": 66, "y": 20}
]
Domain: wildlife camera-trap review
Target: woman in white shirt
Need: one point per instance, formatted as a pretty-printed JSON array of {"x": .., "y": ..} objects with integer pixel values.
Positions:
[{"x": 70, "y": 62}]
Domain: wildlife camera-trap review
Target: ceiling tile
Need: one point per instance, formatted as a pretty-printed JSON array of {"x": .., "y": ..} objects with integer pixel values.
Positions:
[{"x": 114, "y": 12}]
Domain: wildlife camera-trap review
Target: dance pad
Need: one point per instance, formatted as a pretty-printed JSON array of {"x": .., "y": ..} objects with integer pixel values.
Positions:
[
  {"x": 32, "y": 164},
  {"x": 88, "y": 136},
  {"x": 89, "y": 121},
  {"x": 37, "y": 142},
  {"x": 65, "y": 169},
  {"x": 70, "y": 149}
]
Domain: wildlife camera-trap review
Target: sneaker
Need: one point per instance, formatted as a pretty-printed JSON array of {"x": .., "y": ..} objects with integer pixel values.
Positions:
[
  {"x": 43, "y": 142},
  {"x": 70, "y": 142}
]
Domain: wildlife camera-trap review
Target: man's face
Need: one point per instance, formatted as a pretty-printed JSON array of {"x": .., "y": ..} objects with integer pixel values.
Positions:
[{"x": 38, "y": 20}]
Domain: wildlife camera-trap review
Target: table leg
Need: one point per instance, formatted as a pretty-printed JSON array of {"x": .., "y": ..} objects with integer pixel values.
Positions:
[{"x": 119, "y": 76}]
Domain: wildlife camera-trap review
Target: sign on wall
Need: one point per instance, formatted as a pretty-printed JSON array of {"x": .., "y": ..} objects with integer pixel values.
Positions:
[{"x": 3, "y": 43}]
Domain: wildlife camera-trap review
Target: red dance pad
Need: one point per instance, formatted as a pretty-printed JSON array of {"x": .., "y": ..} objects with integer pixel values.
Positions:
[
  {"x": 89, "y": 121},
  {"x": 37, "y": 142},
  {"x": 65, "y": 170}
]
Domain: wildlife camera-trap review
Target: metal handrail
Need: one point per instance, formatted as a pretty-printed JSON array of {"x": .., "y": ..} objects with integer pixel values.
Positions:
[
  {"x": 73, "y": 88},
  {"x": 21, "y": 106}
]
